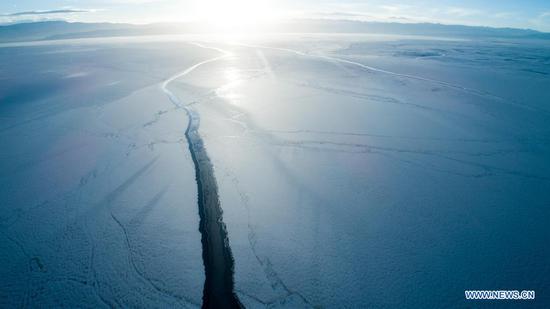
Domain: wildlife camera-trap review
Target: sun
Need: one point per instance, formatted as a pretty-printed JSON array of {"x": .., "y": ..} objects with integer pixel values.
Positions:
[{"x": 237, "y": 16}]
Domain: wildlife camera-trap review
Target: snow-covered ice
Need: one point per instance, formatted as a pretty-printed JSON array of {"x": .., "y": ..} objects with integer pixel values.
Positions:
[
  {"x": 97, "y": 186},
  {"x": 352, "y": 171},
  {"x": 357, "y": 180}
]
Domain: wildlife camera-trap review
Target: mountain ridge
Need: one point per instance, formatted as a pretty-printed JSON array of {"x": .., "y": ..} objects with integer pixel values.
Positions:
[{"x": 51, "y": 30}]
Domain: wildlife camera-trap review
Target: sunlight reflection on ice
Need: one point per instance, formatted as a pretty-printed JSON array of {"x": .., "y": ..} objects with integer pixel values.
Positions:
[{"x": 228, "y": 90}]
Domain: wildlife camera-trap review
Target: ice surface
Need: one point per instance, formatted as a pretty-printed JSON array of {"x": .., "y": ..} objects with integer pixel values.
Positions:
[
  {"x": 344, "y": 186},
  {"x": 97, "y": 187},
  {"x": 353, "y": 171}
]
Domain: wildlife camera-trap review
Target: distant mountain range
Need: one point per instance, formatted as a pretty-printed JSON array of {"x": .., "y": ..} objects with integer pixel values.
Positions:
[{"x": 50, "y": 30}]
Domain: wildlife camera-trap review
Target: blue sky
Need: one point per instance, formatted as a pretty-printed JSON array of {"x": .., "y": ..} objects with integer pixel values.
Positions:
[{"x": 534, "y": 14}]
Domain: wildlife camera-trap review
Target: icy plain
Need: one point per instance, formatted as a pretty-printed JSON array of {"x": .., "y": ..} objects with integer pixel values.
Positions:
[{"x": 352, "y": 171}]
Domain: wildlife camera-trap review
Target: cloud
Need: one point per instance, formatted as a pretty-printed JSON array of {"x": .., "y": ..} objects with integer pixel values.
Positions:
[
  {"x": 47, "y": 12},
  {"x": 504, "y": 15},
  {"x": 394, "y": 8},
  {"x": 541, "y": 21},
  {"x": 463, "y": 12},
  {"x": 358, "y": 16},
  {"x": 342, "y": 15}
]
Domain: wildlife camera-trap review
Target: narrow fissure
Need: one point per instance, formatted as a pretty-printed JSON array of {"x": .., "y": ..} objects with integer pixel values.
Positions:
[{"x": 216, "y": 253}]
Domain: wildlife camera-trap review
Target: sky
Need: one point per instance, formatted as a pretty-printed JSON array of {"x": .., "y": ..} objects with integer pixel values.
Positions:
[{"x": 533, "y": 14}]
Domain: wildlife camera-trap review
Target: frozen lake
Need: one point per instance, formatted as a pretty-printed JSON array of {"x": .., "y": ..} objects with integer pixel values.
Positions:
[{"x": 352, "y": 171}]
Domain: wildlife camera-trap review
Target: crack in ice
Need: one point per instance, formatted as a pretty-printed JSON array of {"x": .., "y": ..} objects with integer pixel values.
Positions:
[{"x": 217, "y": 257}]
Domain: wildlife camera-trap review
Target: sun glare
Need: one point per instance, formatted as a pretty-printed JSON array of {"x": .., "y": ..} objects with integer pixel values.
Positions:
[
  {"x": 238, "y": 16},
  {"x": 227, "y": 91}
]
